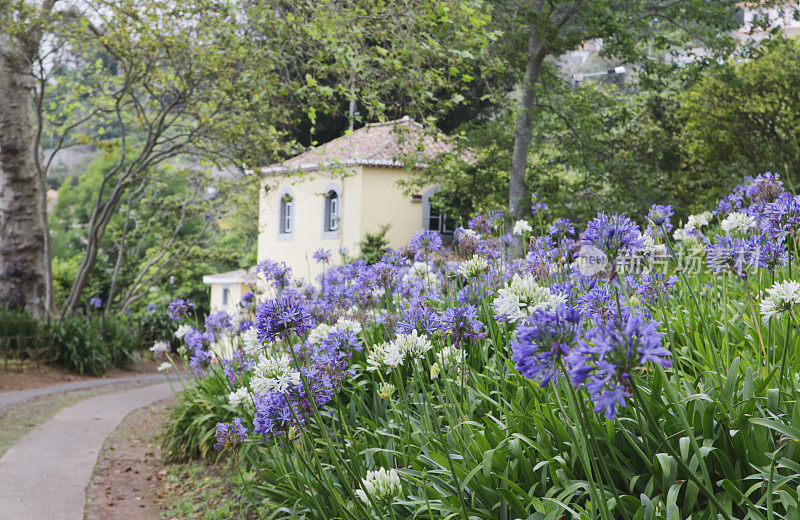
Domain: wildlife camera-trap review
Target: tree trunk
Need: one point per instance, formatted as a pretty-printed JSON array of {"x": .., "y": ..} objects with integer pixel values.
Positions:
[
  {"x": 23, "y": 265},
  {"x": 517, "y": 188}
]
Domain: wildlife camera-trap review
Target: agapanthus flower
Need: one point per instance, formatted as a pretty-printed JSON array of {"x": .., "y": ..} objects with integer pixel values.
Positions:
[
  {"x": 278, "y": 273},
  {"x": 474, "y": 267},
  {"x": 699, "y": 220},
  {"x": 418, "y": 318},
  {"x": 96, "y": 302},
  {"x": 603, "y": 363},
  {"x": 151, "y": 308},
  {"x": 782, "y": 216},
  {"x": 547, "y": 336},
  {"x": 521, "y": 297},
  {"x": 218, "y": 322},
  {"x": 537, "y": 206},
  {"x": 182, "y": 330},
  {"x": 781, "y": 298},
  {"x": 462, "y": 324},
  {"x": 240, "y": 396},
  {"x": 521, "y": 227},
  {"x": 165, "y": 366},
  {"x": 412, "y": 345},
  {"x": 250, "y": 342},
  {"x": 384, "y": 355},
  {"x": 613, "y": 234},
  {"x": 381, "y": 486},
  {"x": 423, "y": 275},
  {"x": 467, "y": 241},
  {"x": 322, "y": 256},
  {"x": 738, "y": 223},
  {"x": 659, "y": 216},
  {"x": 561, "y": 228},
  {"x": 386, "y": 390},
  {"x": 230, "y": 435},
  {"x": 278, "y": 318},
  {"x": 425, "y": 242},
  {"x": 274, "y": 373},
  {"x": 773, "y": 254},
  {"x": 651, "y": 287},
  {"x": 486, "y": 223},
  {"x": 451, "y": 358},
  {"x": 764, "y": 188},
  {"x": 179, "y": 308},
  {"x": 735, "y": 255},
  {"x": 160, "y": 348}
]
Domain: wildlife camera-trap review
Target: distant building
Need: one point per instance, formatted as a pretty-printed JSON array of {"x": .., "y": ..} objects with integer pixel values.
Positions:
[
  {"x": 331, "y": 196},
  {"x": 760, "y": 21}
]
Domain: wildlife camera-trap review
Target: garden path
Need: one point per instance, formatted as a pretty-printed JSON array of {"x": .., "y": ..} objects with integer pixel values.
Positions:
[
  {"x": 8, "y": 399},
  {"x": 44, "y": 475}
]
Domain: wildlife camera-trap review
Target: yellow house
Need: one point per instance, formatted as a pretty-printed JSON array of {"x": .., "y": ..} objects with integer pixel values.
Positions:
[
  {"x": 228, "y": 288},
  {"x": 332, "y": 195}
]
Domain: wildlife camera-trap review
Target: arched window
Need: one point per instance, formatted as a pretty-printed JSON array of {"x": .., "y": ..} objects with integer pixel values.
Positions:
[
  {"x": 286, "y": 215},
  {"x": 331, "y": 209}
]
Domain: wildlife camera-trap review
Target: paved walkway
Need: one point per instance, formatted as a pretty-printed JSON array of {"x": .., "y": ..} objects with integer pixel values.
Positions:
[
  {"x": 44, "y": 475},
  {"x": 9, "y": 399}
]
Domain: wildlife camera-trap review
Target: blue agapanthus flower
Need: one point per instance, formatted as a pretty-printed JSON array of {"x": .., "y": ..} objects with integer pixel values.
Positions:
[
  {"x": 462, "y": 324},
  {"x": 737, "y": 255},
  {"x": 96, "y": 302},
  {"x": 425, "y": 242},
  {"x": 782, "y": 216},
  {"x": 659, "y": 216},
  {"x": 764, "y": 188},
  {"x": 179, "y": 308},
  {"x": 561, "y": 228},
  {"x": 278, "y": 318},
  {"x": 419, "y": 317},
  {"x": 605, "y": 360},
  {"x": 773, "y": 253},
  {"x": 218, "y": 322},
  {"x": 230, "y": 435},
  {"x": 546, "y": 338},
  {"x": 278, "y": 273},
  {"x": 151, "y": 308},
  {"x": 322, "y": 256},
  {"x": 613, "y": 234}
]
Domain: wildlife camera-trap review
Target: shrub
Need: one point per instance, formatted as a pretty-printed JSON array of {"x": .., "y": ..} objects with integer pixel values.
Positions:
[{"x": 79, "y": 346}]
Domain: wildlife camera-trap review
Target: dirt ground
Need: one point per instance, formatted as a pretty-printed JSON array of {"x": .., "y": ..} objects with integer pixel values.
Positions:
[
  {"x": 31, "y": 376},
  {"x": 127, "y": 477}
]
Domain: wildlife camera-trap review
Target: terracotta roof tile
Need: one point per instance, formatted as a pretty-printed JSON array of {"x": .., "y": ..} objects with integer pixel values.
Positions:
[{"x": 379, "y": 144}]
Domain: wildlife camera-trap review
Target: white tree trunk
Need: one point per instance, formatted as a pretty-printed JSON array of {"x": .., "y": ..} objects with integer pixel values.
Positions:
[{"x": 23, "y": 263}]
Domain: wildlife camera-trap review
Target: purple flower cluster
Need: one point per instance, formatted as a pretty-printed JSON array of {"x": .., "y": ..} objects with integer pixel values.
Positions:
[
  {"x": 736, "y": 255},
  {"x": 613, "y": 234},
  {"x": 179, "y": 309},
  {"x": 322, "y": 256},
  {"x": 782, "y": 216},
  {"x": 425, "y": 242},
  {"x": 544, "y": 340},
  {"x": 230, "y": 435},
  {"x": 282, "y": 316},
  {"x": 462, "y": 324},
  {"x": 276, "y": 272},
  {"x": 96, "y": 302},
  {"x": 218, "y": 322}
]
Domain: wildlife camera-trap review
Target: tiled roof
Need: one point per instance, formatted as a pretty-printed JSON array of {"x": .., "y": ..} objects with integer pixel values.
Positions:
[{"x": 376, "y": 144}]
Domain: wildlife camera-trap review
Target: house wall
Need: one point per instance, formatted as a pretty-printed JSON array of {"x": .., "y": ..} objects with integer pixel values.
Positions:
[
  {"x": 385, "y": 203},
  {"x": 237, "y": 290},
  {"x": 308, "y": 193}
]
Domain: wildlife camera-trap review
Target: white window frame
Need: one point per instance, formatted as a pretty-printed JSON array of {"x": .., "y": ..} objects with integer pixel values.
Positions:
[
  {"x": 226, "y": 296},
  {"x": 287, "y": 214},
  {"x": 331, "y": 212}
]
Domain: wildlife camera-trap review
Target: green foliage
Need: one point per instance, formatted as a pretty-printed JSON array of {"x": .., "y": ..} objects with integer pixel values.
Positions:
[
  {"x": 192, "y": 424},
  {"x": 744, "y": 116},
  {"x": 374, "y": 245},
  {"x": 79, "y": 346}
]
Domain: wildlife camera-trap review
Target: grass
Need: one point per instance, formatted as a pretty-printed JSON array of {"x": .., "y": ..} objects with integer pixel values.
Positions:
[{"x": 199, "y": 490}]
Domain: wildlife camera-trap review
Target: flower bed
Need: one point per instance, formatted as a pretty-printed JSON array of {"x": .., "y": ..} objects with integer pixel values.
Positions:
[{"x": 622, "y": 372}]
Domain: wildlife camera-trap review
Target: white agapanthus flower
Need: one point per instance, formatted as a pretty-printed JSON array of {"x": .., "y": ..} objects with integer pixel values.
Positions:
[
  {"x": 349, "y": 325},
  {"x": 781, "y": 298},
  {"x": 182, "y": 330},
  {"x": 522, "y": 226},
  {"x": 250, "y": 342},
  {"x": 473, "y": 267},
  {"x": 160, "y": 347},
  {"x": 240, "y": 396},
  {"x": 650, "y": 246},
  {"x": 738, "y": 223},
  {"x": 424, "y": 273},
  {"x": 381, "y": 486},
  {"x": 319, "y": 334},
  {"x": 163, "y": 367},
  {"x": 698, "y": 221},
  {"x": 412, "y": 345},
  {"x": 274, "y": 374},
  {"x": 522, "y": 296},
  {"x": 386, "y": 355},
  {"x": 470, "y": 233}
]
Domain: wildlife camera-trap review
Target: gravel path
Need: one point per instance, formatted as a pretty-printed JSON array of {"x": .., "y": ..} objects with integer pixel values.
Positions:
[
  {"x": 44, "y": 475},
  {"x": 9, "y": 399}
]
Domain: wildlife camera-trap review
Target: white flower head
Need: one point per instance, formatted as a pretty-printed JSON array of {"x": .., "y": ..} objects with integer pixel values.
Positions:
[
  {"x": 424, "y": 273},
  {"x": 319, "y": 334},
  {"x": 163, "y": 367},
  {"x": 412, "y": 345},
  {"x": 250, "y": 342},
  {"x": 738, "y": 223},
  {"x": 182, "y": 330},
  {"x": 470, "y": 233},
  {"x": 274, "y": 374},
  {"x": 451, "y": 357},
  {"x": 522, "y": 296},
  {"x": 781, "y": 298},
  {"x": 473, "y": 267},
  {"x": 160, "y": 347},
  {"x": 240, "y": 396},
  {"x": 380, "y": 486},
  {"x": 522, "y": 226},
  {"x": 698, "y": 221},
  {"x": 386, "y": 355},
  {"x": 650, "y": 246},
  {"x": 349, "y": 325}
]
